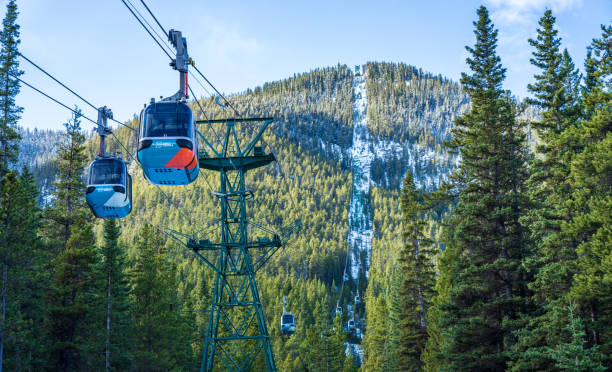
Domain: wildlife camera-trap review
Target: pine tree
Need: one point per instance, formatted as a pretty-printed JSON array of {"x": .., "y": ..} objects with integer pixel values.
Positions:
[
  {"x": 488, "y": 291},
  {"x": 591, "y": 202},
  {"x": 76, "y": 305},
  {"x": 574, "y": 355},
  {"x": 19, "y": 221},
  {"x": 10, "y": 187},
  {"x": 432, "y": 356},
  {"x": 32, "y": 280},
  {"x": 556, "y": 89},
  {"x": 326, "y": 349},
  {"x": 76, "y": 310},
  {"x": 374, "y": 342},
  {"x": 160, "y": 338},
  {"x": 396, "y": 311},
  {"x": 9, "y": 87},
  {"x": 69, "y": 207},
  {"x": 349, "y": 364},
  {"x": 118, "y": 322},
  {"x": 415, "y": 291}
]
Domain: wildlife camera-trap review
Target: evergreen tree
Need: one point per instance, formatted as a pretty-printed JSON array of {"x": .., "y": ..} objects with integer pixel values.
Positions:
[
  {"x": 9, "y": 87},
  {"x": 69, "y": 207},
  {"x": 396, "y": 311},
  {"x": 76, "y": 310},
  {"x": 76, "y": 305},
  {"x": 591, "y": 202},
  {"x": 374, "y": 342},
  {"x": 556, "y": 91},
  {"x": 415, "y": 292},
  {"x": 160, "y": 339},
  {"x": 32, "y": 280},
  {"x": 432, "y": 356},
  {"x": 550, "y": 89},
  {"x": 488, "y": 291},
  {"x": 118, "y": 322},
  {"x": 574, "y": 355},
  {"x": 326, "y": 349},
  {"x": 10, "y": 187},
  {"x": 21, "y": 297},
  {"x": 349, "y": 364}
]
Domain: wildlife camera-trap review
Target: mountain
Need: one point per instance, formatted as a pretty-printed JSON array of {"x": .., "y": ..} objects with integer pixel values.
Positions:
[
  {"x": 37, "y": 150},
  {"x": 344, "y": 142}
]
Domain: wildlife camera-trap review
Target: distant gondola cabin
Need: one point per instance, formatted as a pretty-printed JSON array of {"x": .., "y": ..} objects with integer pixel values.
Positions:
[
  {"x": 351, "y": 325},
  {"x": 287, "y": 323}
]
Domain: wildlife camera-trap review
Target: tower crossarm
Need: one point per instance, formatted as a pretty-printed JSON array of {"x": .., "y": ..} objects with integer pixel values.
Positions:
[{"x": 286, "y": 233}]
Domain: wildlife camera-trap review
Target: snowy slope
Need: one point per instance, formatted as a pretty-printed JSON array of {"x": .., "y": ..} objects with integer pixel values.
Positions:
[{"x": 360, "y": 214}]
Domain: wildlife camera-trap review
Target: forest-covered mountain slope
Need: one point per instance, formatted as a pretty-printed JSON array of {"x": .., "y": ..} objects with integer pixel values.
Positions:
[
  {"x": 409, "y": 115},
  {"x": 37, "y": 150}
]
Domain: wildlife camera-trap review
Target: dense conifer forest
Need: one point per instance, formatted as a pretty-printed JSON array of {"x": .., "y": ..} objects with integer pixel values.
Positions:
[{"x": 491, "y": 246}]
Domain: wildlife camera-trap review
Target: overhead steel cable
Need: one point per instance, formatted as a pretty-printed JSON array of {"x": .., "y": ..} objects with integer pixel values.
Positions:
[
  {"x": 193, "y": 65},
  {"x": 162, "y": 39},
  {"x": 68, "y": 89},
  {"x": 146, "y": 29},
  {"x": 155, "y": 18},
  {"x": 53, "y": 99},
  {"x": 216, "y": 90},
  {"x": 169, "y": 56},
  {"x": 194, "y": 77},
  {"x": 57, "y": 81},
  {"x": 197, "y": 102}
]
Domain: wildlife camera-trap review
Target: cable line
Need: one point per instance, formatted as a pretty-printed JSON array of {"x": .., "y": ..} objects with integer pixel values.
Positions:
[
  {"x": 163, "y": 40},
  {"x": 168, "y": 54},
  {"x": 53, "y": 99},
  {"x": 57, "y": 81},
  {"x": 198, "y": 102},
  {"x": 200, "y": 83},
  {"x": 146, "y": 29},
  {"x": 216, "y": 90},
  {"x": 155, "y": 18},
  {"x": 68, "y": 89}
]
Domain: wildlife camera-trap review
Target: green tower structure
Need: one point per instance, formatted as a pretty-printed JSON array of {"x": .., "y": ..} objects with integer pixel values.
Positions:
[{"x": 236, "y": 334}]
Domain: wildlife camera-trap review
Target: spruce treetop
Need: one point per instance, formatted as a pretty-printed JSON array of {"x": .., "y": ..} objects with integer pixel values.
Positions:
[
  {"x": 487, "y": 76},
  {"x": 9, "y": 87}
]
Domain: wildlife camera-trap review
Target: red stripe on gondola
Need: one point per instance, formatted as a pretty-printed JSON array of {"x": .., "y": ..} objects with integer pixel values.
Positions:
[{"x": 183, "y": 159}]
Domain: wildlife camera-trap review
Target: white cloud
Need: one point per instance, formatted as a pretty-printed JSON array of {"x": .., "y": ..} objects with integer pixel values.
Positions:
[{"x": 526, "y": 11}]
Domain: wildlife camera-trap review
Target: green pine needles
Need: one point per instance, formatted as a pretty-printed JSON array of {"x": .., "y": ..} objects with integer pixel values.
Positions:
[{"x": 488, "y": 292}]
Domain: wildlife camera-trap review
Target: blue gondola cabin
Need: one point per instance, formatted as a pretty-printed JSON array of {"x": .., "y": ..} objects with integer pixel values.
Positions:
[
  {"x": 351, "y": 325},
  {"x": 109, "y": 188},
  {"x": 287, "y": 324},
  {"x": 167, "y": 146}
]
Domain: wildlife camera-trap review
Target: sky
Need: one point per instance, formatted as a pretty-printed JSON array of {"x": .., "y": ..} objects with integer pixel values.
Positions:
[{"x": 98, "y": 49}]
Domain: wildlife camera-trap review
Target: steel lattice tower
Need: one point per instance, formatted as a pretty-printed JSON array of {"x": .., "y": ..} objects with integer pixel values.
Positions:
[{"x": 237, "y": 330}]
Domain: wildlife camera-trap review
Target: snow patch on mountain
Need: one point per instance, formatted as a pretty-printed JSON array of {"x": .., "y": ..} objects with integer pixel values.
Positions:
[{"x": 360, "y": 218}]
